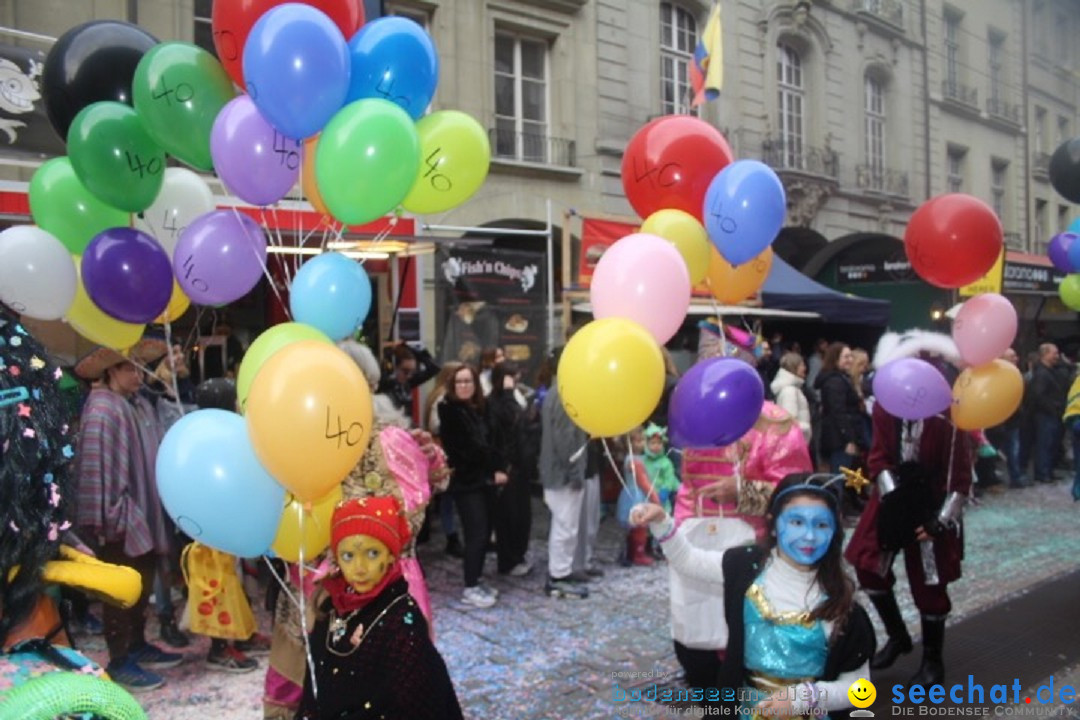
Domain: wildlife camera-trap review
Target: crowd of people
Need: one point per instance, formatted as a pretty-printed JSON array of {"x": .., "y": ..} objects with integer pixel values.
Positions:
[{"x": 466, "y": 465}]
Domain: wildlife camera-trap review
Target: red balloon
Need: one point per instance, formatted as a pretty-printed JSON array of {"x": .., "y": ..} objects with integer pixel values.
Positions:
[
  {"x": 231, "y": 21},
  {"x": 953, "y": 240},
  {"x": 670, "y": 162}
]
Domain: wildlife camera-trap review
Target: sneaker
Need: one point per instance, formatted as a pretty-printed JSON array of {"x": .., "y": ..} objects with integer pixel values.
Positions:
[
  {"x": 565, "y": 588},
  {"x": 128, "y": 674},
  {"x": 594, "y": 571},
  {"x": 487, "y": 589},
  {"x": 256, "y": 645},
  {"x": 521, "y": 569},
  {"x": 152, "y": 656},
  {"x": 476, "y": 597},
  {"x": 170, "y": 634},
  {"x": 231, "y": 660}
]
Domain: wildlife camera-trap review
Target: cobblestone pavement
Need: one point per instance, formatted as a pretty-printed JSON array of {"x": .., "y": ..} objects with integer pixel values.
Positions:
[{"x": 534, "y": 657}]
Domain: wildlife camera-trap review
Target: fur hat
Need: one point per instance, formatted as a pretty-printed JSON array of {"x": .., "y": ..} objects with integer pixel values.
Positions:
[
  {"x": 365, "y": 360},
  {"x": 93, "y": 365},
  {"x": 379, "y": 517},
  {"x": 912, "y": 343}
]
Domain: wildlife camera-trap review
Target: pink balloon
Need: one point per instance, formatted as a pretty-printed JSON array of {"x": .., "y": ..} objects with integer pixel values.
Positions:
[
  {"x": 984, "y": 328},
  {"x": 642, "y": 278}
]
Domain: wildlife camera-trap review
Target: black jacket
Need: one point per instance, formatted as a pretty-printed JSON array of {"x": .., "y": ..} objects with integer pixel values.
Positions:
[
  {"x": 842, "y": 417},
  {"x": 468, "y": 447},
  {"x": 1048, "y": 391}
]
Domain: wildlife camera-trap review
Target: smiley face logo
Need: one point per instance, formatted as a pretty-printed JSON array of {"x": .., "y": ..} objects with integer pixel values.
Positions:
[{"x": 862, "y": 693}]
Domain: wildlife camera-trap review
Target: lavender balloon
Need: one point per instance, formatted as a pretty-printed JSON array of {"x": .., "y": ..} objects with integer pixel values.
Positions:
[
  {"x": 127, "y": 274},
  {"x": 256, "y": 162},
  {"x": 715, "y": 403},
  {"x": 1058, "y": 250},
  {"x": 911, "y": 389},
  {"x": 219, "y": 257}
]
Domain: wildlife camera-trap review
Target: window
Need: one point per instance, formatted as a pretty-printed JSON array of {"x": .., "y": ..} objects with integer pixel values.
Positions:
[
  {"x": 1063, "y": 132},
  {"x": 521, "y": 98},
  {"x": 954, "y": 169},
  {"x": 789, "y": 78},
  {"x": 417, "y": 15},
  {"x": 997, "y": 68},
  {"x": 998, "y": 177},
  {"x": 952, "y": 54},
  {"x": 1063, "y": 39},
  {"x": 1041, "y": 236},
  {"x": 204, "y": 34},
  {"x": 1039, "y": 130},
  {"x": 678, "y": 40},
  {"x": 1063, "y": 218},
  {"x": 875, "y": 131}
]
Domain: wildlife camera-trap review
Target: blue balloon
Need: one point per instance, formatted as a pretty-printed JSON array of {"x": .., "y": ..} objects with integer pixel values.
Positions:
[
  {"x": 394, "y": 59},
  {"x": 331, "y": 293},
  {"x": 715, "y": 403},
  {"x": 744, "y": 210},
  {"x": 214, "y": 488},
  {"x": 1072, "y": 253},
  {"x": 296, "y": 69}
]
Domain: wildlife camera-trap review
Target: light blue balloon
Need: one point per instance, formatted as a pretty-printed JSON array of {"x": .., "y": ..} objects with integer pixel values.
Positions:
[
  {"x": 744, "y": 210},
  {"x": 296, "y": 69},
  {"x": 1074, "y": 227},
  {"x": 214, "y": 488},
  {"x": 331, "y": 293},
  {"x": 393, "y": 58}
]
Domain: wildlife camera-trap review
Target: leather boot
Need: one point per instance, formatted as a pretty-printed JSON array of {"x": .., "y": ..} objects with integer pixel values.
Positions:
[
  {"x": 899, "y": 642},
  {"x": 932, "y": 670},
  {"x": 637, "y": 539}
]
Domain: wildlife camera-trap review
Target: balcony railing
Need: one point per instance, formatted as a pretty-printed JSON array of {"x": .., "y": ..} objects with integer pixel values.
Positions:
[
  {"x": 813, "y": 161},
  {"x": 533, "y": 148},
  {"x": 1014, "y": 241},
  {"x": 890, "y": 11},
  {"x": 960, "y": 93},
  {"x": 881, "y": 180},
  {"x": 996, "y": 107},
  {"x": 1040, "y": 165}
]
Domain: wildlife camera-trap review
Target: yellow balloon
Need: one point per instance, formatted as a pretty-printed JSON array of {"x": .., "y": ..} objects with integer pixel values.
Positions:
[
  {"x": 986, "y": 395},
  {"x": 308, "y": 184},
  {"x": 92, "y": 323},
  {"x": 309, "y": 415},
  {"x": 730, "y": 284},
  {"x": 454, "y": 158},
  {"x": 683, "y": 230},
  {"x": 611, "y": 376},
  {"x": 316, "y": 521},
  {"x": 178, "y": 305}
]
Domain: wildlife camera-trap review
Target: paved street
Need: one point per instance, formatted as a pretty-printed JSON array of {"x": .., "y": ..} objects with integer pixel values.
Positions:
[{"x": 535, "y": 657}]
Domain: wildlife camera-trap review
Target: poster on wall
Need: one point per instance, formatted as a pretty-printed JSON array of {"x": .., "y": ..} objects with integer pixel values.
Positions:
[
  {"x": 487, "y": 298},
  {"x": 24, "y": 126}
]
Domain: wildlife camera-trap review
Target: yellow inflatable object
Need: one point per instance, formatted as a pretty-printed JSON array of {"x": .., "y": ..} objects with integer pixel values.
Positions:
[{"x": 114, "y": 584}]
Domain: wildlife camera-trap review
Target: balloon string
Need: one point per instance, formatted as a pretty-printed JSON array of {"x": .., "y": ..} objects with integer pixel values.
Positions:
[
  {"x": 172, "y": 367},
  {"x": 266, "y": 271},
  {"x": 303, "y": 610},
  {"x": 283, "y": 583}
]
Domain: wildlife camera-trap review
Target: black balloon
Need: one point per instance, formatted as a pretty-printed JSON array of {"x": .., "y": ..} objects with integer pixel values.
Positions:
[
  {"x": 89, "y": 63},
  {"x": 216, "y": 393},
  {"x": 1065, "y": 170}
]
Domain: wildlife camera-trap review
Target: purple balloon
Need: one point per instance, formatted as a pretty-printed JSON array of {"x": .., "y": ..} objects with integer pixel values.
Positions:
[
  {"x": 256, "y": 162},
  {"x": 219, "y": 257},
  {"x": 911, "y": 389},
  {"x": 715, "y": 403},
  {"x": 1058, "y": 250},
  {"x": 127, "y": 274}
]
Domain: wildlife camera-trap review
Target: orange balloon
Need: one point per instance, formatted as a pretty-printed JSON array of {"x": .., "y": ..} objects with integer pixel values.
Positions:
[
  {"x": 730, "y": 284},
  {"x": 314, "y": 537},
  {"x": 309, "y": 415},
  {"x": 986, "y": 395},
  {"x": 308, "y": 185},
  {"x": 178, "y": 305}
]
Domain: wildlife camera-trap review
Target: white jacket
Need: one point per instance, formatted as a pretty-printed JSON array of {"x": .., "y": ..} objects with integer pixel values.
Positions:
[{"x": 787, "y": 388}]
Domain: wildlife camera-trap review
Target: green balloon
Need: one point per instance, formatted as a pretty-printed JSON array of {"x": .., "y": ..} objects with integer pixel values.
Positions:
[
  {"x": 115, "y": 157},
  {"x": 179, "y": 89},
  {"x": 1069, "y": 290},
  {"x": 268, "y": 343},
  {"x": 366, "y": 160},
  {"x": 62, "y": 205}
]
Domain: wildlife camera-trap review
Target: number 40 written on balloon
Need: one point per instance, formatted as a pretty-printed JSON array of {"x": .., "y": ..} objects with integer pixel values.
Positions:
[{"x": 352, "y": 435}]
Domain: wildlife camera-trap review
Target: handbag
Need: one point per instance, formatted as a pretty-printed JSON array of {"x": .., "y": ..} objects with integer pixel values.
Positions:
[
  {"x": 217, "y": 606},
  {"x": 697, "y": 606}
]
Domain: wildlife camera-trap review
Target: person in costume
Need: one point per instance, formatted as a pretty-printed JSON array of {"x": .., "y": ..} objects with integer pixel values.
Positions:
[
  {"x": 371, "y": 651},
  {"x": 798, "y": 639},
  {"x": 639, "y": 488},
  {"x": 658, "y": 465},
  {"x": 922, "y": 472}
]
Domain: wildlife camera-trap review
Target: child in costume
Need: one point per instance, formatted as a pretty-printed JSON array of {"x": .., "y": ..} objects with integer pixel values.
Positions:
[
  {"x": 639, "y": 489},
  {"x": 372, "y": 654},
  {"x": 659, "y": 466},
  {"x": 798, "y": 639}
]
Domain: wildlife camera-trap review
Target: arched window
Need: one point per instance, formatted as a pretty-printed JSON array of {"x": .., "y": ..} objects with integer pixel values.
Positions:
[
  {"x": 874, "y": 130},
  {"x": 792, "y": 98},
  {"x": 678, "y": 39}
]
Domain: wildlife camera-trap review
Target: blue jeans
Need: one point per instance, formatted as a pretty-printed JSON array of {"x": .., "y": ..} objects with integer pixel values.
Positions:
[
  {"x": 1010, "y": 447},
  {"x": 1047, "y": 432}
]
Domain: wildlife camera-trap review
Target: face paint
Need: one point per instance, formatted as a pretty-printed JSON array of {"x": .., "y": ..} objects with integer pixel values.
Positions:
[
  {"x": 363, "y": 561},
  {"x": 804, "y": 530}
]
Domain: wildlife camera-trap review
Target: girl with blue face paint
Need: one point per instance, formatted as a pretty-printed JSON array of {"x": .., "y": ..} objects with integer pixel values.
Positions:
[{"x": 797, "y": 639}]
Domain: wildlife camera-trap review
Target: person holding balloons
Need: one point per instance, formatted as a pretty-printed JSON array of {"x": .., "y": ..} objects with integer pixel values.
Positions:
[{"x": 930, "y": 460}]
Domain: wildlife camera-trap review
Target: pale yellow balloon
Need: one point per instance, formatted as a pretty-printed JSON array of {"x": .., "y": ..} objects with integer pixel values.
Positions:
[
  {"x": 986, "y": 395},
  {"x": 94, "y": 324},
  {"x": 730, "y": 284},
  {"x": 315, "y": 536},
  {"x": 689, "y": 237}
]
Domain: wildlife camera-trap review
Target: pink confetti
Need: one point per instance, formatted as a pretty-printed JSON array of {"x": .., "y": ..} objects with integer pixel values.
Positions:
[
  {"x": 14, "y": 370},
  {"x": 13, "y": 526},
  {"x": 24, "y": 410},
  {"x": 54, "y": 533},
  {"x": 58, "y": 373},
  {"x": 29, "y": 433},
  {"x": 65, "y": 525}
]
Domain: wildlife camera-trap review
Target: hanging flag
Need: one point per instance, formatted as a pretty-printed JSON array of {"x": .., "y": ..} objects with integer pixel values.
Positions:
[{"x": 707, "y": 70}]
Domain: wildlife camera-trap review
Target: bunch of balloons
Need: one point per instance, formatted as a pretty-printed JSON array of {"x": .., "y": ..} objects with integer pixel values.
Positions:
[{"x": 1064, "y": 253}]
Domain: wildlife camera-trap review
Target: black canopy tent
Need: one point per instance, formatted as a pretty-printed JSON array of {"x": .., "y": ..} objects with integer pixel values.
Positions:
[{"x": 786, "y": 288}]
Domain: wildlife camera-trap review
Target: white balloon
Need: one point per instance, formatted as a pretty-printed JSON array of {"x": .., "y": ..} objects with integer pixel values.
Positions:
[
  {"x": 37, "y": 274},
  {"x": 184, "y": 196}
]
